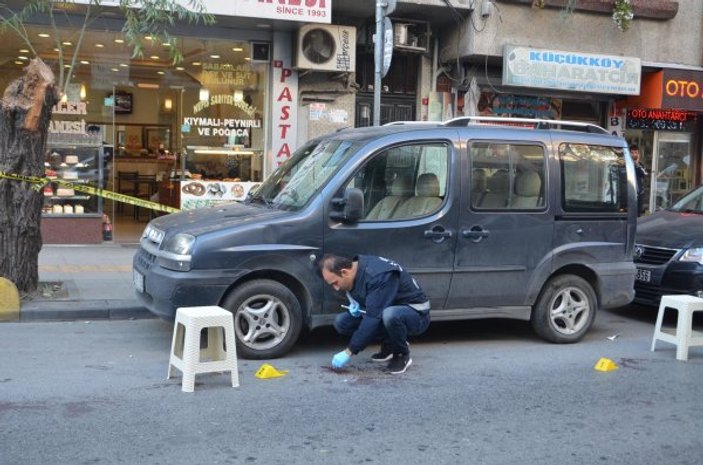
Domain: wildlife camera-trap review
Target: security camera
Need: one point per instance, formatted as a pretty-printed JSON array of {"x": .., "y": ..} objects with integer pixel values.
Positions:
[{"x": 486, "y": 8}]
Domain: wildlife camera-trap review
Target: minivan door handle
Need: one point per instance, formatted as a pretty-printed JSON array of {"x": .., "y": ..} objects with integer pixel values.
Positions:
[
  {"x": 438, "y": 234},
  {"x": 476, "y": 233}
]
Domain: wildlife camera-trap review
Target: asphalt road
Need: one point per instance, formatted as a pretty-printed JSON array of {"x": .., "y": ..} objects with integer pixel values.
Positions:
[{"x": 481, "y": 392}]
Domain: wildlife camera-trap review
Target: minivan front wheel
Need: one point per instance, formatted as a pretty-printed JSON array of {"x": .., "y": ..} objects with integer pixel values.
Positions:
[
  {"x": 267, "y": 319},
  {"x": 565, "y": 309}
]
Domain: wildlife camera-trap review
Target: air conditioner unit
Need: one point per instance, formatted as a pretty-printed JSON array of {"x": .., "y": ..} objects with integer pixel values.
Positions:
[
  {"x": 411, "y": 37},
  {"x": 326, "y": 47}
]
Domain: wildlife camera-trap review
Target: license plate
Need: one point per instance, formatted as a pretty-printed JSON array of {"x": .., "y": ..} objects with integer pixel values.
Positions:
[
  {"x": 643, "y": 275},
  {"x": 138, "y": 279}
]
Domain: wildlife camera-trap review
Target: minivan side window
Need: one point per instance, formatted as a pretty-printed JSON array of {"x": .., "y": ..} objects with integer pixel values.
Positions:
[
  {"x": 594, "y": 178},
  {"x": 507, "y": 176},
  {"x": 404, "y": 182}
]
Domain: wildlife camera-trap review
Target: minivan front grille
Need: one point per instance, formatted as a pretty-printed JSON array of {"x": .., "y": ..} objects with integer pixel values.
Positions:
[
  {"x": 653, "y": 255},
  {"x": 145, "y": 259}
]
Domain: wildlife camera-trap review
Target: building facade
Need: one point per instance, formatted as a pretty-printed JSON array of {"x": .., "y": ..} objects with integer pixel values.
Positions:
[{"x": 271, "y": 74}]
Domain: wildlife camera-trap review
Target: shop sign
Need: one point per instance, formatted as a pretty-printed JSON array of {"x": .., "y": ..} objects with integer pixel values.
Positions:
[
  {"x": 228, "y": 75},
  {"x": 518, "y": 106},
  {"x": 310, "y": 11},
  {"x": 682, "y": 89},
  {"x": 199, "y": 194},
  {"x": 284, "y": 115},
  {"x": 576, "y": 71},
  {"x": 68, "y": 126},
  {"x": 661, "y": 120}
]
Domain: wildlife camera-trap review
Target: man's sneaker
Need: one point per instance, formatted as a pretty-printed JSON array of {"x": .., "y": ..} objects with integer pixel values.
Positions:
[
  {"x": 399, "y": 363},
  {"x": 383, "y": 355}
]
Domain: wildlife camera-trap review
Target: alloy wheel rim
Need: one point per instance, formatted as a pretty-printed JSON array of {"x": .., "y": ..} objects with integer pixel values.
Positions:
[
  {"x": 262, "y": 322},
  {"x": 569, "y": 311}
]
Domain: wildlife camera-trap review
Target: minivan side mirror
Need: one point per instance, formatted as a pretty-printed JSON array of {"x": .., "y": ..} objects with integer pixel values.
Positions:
[{"x": 351, "y": 206}]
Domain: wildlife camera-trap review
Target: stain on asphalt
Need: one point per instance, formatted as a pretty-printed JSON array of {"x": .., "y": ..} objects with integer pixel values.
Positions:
[{"x": 76, "y": 409}]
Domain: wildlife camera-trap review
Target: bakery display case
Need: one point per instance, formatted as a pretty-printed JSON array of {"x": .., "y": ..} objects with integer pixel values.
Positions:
[{"x": 69, "y": 215}]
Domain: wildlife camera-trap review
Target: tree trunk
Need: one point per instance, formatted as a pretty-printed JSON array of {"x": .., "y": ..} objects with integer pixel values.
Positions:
[{"x": 25, "y": 111}]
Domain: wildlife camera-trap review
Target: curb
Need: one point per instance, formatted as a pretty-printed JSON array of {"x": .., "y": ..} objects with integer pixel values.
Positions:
[{"x": 66, "y": 310}]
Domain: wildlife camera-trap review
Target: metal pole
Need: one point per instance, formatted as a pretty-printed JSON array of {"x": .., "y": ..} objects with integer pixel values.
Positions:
[{"x": 378, "y": 64}]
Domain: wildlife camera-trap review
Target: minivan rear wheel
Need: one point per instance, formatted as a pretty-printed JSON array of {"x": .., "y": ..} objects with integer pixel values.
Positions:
[
  {"x": 565, "y": 309},
  {"x": 267, "y": 319}
]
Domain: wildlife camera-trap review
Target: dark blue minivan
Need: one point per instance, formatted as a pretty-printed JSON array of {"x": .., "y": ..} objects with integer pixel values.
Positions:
[{"x": 534, "y": 222}]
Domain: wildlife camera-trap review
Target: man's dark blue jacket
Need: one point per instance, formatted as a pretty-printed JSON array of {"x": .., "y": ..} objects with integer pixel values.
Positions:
[{"x": 381, "y": 283}]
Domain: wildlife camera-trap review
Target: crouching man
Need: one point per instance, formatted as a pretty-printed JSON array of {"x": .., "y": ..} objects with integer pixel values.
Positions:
[{"x": 385, "y": 303}]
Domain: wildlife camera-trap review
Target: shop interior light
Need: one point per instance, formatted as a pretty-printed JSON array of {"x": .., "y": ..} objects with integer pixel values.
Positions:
[
  {"x": 100, "y": 45},
  {"x": 238, "y": 96},
  {"x": 64, "y": 98},
  {"x": 24, "y": 50},
  {"x": 66, "y": 43},
  {"x": 119, "y": 41},
  {"x": 85, "y": 62},
  {"x": 154, "y": 57},
  {"x": 43, "y": 35},
  {"x": 168, "y": 104},
  {"x": 123, "y": 65},
  {"x": 237, "y": 49},
  {"x": 22, "y": 57},
  {"x": 196, "y": 63},
  {"x": 214, "y": 56},
  {"x": 83, "y": 92},
  {"x": 147, "y": 85},
  {"x": 19, "y": 62},
  {"x": 180, "y": 68},
  {"x": 204, "y": 94}
]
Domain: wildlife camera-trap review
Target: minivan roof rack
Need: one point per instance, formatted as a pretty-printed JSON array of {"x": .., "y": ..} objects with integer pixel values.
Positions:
[
  {"x": 534, "y": 122},
  {"x": 413, "y": 123}
]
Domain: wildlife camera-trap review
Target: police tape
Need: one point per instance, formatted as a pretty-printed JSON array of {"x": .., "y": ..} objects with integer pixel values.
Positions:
[{"x": 39, "y": 183}]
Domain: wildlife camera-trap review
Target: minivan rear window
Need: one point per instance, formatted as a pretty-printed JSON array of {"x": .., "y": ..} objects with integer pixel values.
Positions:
[{"x": 594, "y": 178}]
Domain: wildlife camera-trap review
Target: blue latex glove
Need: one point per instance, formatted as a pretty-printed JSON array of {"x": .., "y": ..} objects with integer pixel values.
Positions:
[
  {"x": 353, "y": 307},
  {"x": 340, "y": 359}
]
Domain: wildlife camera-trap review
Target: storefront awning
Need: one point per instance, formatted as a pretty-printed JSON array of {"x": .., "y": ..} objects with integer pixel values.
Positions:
[{"x": 670, "y": 88}]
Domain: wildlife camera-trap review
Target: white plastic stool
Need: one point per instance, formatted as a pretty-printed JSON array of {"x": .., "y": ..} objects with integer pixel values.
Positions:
[
  {"x": 186, "y": 354},
  {"x": 684, "y": 337}
]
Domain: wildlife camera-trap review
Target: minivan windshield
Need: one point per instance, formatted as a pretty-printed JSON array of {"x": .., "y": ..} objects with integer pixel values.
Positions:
[
  {"x": 293, "y": 184},
  {"x": 690, "y": 203}
]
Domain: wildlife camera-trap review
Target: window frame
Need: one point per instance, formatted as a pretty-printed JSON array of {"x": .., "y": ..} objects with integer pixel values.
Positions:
[
  {"x": 568, "y": 207},
  {"x": 447, "y": 143},
  {"x": 512, "y": 170}
]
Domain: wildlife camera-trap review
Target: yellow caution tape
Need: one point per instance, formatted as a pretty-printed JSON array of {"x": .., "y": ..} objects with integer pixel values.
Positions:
[{"x": 40, "y": 182}]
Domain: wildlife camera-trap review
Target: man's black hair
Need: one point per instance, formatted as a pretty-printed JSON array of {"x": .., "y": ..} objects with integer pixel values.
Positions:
[
  {"x": 335, "y": 263},
  {"x": 634, "y": 147}
]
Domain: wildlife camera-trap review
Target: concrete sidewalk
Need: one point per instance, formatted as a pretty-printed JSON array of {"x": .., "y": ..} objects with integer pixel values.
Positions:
[{"x": 92, "y": 282}]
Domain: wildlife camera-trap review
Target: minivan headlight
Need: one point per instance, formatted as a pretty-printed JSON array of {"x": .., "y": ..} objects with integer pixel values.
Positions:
[
  {"x": 180, "y": 244},
  {"x": 175, "y": 253},
  {"x": 693, "y": 255}
]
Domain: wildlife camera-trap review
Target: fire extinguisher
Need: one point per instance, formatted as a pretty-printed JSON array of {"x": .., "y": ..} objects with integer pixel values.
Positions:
[{"x": 107, "y": 228}]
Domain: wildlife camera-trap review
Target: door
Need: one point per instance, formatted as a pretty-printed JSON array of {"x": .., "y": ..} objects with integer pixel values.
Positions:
[
  {"x": 410, "y": 215},
  {"x": 505, "y": 229},
  {"x": 673, "y": 172}
]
